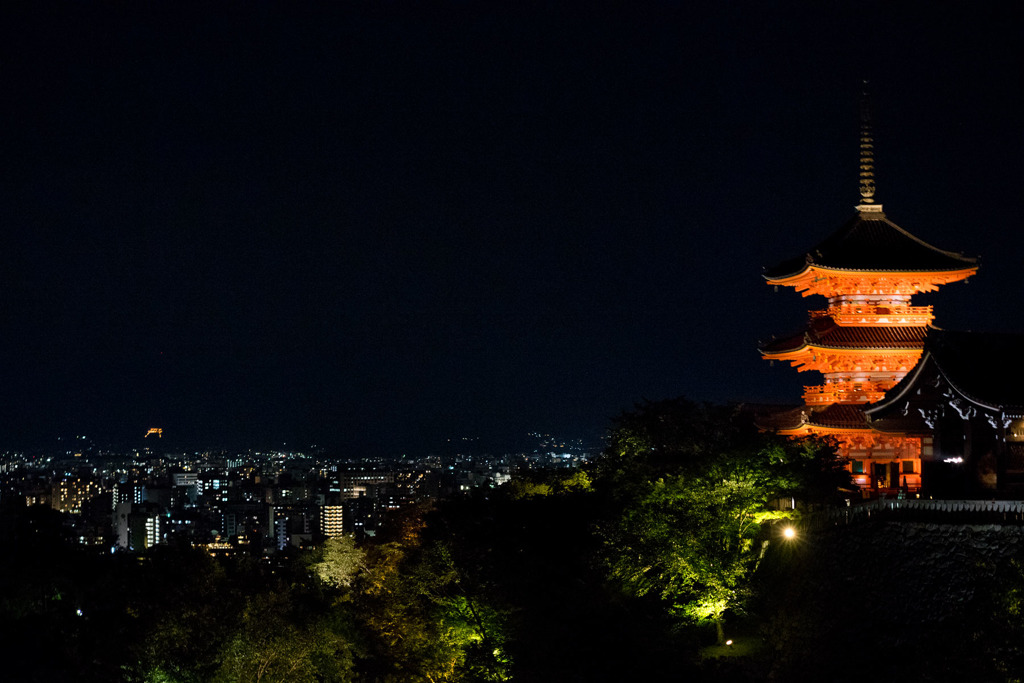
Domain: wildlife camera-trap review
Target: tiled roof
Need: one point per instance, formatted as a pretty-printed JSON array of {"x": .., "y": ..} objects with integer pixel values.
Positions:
[
  {"x": 783, "y": 344},
  {"x": 824, "y": 332},
  {"x": 843, "y": 336},
  {"x": 836, "y": 415},
  {"x": 780, "y": 417},
  {"x": 985, "y": 366},
  {"x": 840, "y": 415},
  {"x": 873, "y": 244}
]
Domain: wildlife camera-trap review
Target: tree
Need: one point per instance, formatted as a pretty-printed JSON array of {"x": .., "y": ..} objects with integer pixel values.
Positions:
[
  {"x": 545, "y": 483},
  {"x": 274, "y": 645},
  {"x": 339, "y": 559},
  {"x": 531, "y": 564},
  {"x": 425, "y": 617},
  {"x": 695, "y": 485}
]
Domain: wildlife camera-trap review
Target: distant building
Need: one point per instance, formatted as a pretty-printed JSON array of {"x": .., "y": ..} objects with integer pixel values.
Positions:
[
  {"x": 331, "y": 520},
  {"x": 185, "y": 479},
  {"x": 293, "y": 525},
  {"x": 251, "y": 521},
  {"x": 125, "y": 492},
  {"x": 70, "y": 494},
  {"x": 187, "y": 487},
  {"x": 37, "y": 497},
  {"x": 281, "y": 534},
  {"x": 137, "y": 526},
  {"x": 353, "y": 485}
]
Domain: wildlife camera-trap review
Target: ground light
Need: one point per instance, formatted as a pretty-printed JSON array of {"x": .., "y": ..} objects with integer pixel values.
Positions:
[{"x": 789, "y": 533}]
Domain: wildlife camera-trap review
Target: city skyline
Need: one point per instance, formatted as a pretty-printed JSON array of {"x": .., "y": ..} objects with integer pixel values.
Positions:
[{"x": 384, "y": 227}]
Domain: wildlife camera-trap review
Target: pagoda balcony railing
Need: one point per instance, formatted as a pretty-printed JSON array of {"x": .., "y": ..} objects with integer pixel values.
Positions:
[
  {"x": 845, "y": 392},
  {"x": 877, "y": 314}
]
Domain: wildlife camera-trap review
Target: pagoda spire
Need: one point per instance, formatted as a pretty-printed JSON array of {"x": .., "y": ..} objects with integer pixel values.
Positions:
[{"x": 867, "y": 154}]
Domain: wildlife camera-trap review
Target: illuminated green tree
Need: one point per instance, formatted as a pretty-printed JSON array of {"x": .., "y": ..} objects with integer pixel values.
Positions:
[
  {"x": 695, "y": 485},
  {"x": 276, "y": 645},
  {"x": 546, "y": 483},
  {"x": 338, "y": 561},
  {"x": 425, "y": 620}
]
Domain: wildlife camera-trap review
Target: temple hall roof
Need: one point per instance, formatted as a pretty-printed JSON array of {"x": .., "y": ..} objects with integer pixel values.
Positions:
[
  {"x": 871, "y": 242},
  {"x": 983, "y": 367}
]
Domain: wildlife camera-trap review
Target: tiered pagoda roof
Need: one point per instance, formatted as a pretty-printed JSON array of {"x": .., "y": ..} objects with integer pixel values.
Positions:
[
  {"x": 870, "y": 242},
  {"x": 839, "y": 415},
  {"x": 835, "y": 417},
  {"x": 825, "y": 333}
]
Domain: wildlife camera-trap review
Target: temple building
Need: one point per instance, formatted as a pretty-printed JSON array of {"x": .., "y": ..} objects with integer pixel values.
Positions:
[
  {"x": 867, "y": 338},
  {"x": 966, "y": 396}
]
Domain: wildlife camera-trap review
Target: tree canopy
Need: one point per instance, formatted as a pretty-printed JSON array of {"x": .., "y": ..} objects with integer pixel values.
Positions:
[{"x": 695, "y": 485}]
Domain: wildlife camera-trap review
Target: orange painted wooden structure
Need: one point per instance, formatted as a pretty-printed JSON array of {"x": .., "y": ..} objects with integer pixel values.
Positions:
[
  {"x": 865, "y": 341},
  {"x": 870, "y": 335}
]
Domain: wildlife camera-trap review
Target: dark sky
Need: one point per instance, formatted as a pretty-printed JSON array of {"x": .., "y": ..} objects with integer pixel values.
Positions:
[{"x": 378, "y": 227}]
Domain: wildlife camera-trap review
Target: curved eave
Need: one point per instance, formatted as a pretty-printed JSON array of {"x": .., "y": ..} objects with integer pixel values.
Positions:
[
  {"x": 903, "y": 391},
  {"x": 897, "y": 428},
  {"x": 796, "y": 352},
  {"x": 996, "y": 408},
  {"x": 813, "y": 274},
  {"x": 810, "y": 428}
]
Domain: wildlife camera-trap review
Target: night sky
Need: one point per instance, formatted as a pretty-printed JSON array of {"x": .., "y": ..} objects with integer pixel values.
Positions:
[{"x": 380, "y": 227}]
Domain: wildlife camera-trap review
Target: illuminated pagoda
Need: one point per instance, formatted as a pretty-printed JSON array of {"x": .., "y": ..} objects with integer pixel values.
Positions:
[{"x": 869, "y": 336}]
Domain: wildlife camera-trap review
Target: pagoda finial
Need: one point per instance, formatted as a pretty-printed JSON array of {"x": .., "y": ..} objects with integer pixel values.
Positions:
[{"x": 867, "y": 149}]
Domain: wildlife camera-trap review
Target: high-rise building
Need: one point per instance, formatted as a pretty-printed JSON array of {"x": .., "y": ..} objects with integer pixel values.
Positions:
[
  {"x": 70, "y": 493},
  {"x": 128, "y": 492},
  {"x": 137, "y": 526},
  {"x": 331, "y": 517}
]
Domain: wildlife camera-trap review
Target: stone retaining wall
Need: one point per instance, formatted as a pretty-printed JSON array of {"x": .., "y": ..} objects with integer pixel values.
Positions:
[{"x": 886, "y": 600}]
